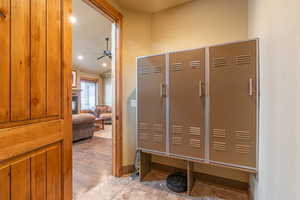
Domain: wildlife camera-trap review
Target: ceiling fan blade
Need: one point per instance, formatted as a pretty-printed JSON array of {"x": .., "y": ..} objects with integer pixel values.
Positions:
[{"x": 101, "y": 57}]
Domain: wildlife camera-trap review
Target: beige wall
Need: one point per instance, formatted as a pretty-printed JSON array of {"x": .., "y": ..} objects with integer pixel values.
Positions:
[
  {"x": 276, "y": 23},
  {"x": 174, "y": 29},
  {"x": 199, "y": 23},
  {"x": 137, "y": 42}
]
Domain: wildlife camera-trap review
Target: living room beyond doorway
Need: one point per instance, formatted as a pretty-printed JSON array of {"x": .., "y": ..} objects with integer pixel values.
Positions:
[{"x": 92, "y": 97}]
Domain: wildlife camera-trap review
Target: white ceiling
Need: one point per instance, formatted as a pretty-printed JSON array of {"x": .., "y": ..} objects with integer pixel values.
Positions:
[
  {"x": 150, "y": 6},
  {"x": 89, "y": 34}
]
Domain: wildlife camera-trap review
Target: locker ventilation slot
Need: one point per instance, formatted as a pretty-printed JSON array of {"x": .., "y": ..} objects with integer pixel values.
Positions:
[
  {"x": 177, "y": 140},
  {"x": 143, "y": 126},
  {"x": 219, "y": 133},
  {"x": 219, "y": 146},
  {"x": 156, "y": 69},
  {"x": 177, "y": 129},
  {"x": 242, "y": 60},
  {"x": 243, "y": 149},
  {"x": 157, "y": 128},
  {"x": 219, "y": 62},
  {"x": 195, "y": 143},
  {"x": 176, "y": 67},
  {"x": 145, "y": 70},
  {"x": 194, "y": 130},
  {"x": 196, "y": 64},
  {"x": 157, "y": 138},
  {"x": 242, "y": 135}
]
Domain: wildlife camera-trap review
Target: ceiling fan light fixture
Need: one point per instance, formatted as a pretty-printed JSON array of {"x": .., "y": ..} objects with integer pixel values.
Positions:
[
  {"x": 80, "y": 57},
  {"x": 104, "y": 64}
]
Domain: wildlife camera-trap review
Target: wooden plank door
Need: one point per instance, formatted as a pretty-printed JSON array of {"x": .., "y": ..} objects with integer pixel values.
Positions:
[{"x": 35, "y": 114}]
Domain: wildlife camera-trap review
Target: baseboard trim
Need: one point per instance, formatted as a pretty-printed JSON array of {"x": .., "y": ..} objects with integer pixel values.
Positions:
[{"x": 128, "y": 169}]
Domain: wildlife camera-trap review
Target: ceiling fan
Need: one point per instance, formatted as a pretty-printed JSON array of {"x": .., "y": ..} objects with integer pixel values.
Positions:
[{"x": 107, "y": 52}]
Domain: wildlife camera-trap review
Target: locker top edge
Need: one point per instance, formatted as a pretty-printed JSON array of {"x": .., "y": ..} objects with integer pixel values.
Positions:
[{"x": 207, "y": 46}]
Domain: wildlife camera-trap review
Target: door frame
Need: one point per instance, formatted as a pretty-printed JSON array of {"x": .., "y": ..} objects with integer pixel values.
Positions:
[{"x": 117, "y": 18}]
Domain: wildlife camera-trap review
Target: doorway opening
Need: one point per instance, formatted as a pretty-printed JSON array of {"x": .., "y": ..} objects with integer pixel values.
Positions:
[{"x": 96, "y": 94}]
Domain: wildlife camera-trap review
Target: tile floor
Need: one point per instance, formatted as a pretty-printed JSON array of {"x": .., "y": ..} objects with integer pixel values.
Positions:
[{"x": 93, "y": 181}]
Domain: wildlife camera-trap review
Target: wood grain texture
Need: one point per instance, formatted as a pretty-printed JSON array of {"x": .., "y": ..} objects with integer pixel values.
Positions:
[
  {"x": 20, "y": 60},
  {"x": 38, "y": 176},
  {"x": 145, "y": 165},
  {"x": 5, "y": 61},
  {"x": 54, "y": 173},
  {"x": 20, "y": 140},
  {"x": 53, "y": 57},
  {"x": 67, "y": 98},
  {"x": 38, "y": 59},
  {"x": 20, "y": 180},
  {"x": 190, "y": 177},
  {"x": 5, "y": 183}
]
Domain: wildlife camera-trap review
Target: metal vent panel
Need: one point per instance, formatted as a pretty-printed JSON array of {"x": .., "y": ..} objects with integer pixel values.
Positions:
[
  {"x": 193, "y": 130},
  {"x": 157, "y": 138},
  {"x": 143, "y": 126},
  {"x": 242, "y": 59},
  {"x": 242, "y": 135},
  {"x": 243, "y": 149},
  {"x": 196, "y": 64},
  {"x": 219, "y": 62},
  {"x": 177, "y": 140},
  {"x": 156, "y": 69},
  {"x": 195, "y": 143},
  {"x": 219, "y": 146},
  {"x": 177, "y": 129},
  {"x": 176, "y": 67},
  {"x": 157, "y": 128},
  {"x": 219, "y": 133}
]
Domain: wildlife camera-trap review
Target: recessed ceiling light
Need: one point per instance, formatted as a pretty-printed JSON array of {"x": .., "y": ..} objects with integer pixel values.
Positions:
[
  {"x": 104, "y": 64},
  {"x": 73, "y": 19},
  {"x": 80, "y": 57}
]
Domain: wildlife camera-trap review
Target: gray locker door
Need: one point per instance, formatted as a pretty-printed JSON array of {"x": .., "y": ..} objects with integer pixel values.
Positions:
[
  {"x": 151, "y": 102},
  {"x": 233, "y": 103},
  {"x": 187, "y": 77}
]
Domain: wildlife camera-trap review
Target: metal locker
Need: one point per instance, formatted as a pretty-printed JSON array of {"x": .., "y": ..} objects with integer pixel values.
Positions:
[
  {"x": 151, "y": 102},
  {"x": 233, "y": 101},
  {"x": 187, "y": 78}
]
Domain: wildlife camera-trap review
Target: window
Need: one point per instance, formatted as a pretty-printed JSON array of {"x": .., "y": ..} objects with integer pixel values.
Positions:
[{"x": 88, "y": 94}]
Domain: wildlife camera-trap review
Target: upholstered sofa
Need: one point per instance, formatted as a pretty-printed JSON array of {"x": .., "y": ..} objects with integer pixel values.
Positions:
[
  {"x": 83, "y": 126},
  {"x": 104, "y": 111}
]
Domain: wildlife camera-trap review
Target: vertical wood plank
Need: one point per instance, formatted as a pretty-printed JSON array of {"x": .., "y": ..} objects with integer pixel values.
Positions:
[
  {"x": 38, "y": 176},
  {"x": 54, "y": 173},
  {"x": 5, "y": 61},
  {"x": 5, "y": 183},
  {"x": 53, "y": 57},
  {"x": 20, "y": 180},
  {"x": 145, "y": 164},
  {"x": 38, "y": 59},
  {"x": 190, "y": 177},
  {"x": 20, "y": 60}
]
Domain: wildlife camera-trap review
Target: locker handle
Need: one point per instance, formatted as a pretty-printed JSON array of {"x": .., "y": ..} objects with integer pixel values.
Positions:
[
  {"x": 2, "y": 15},
  {"x": 162, "y": 90},
  {"x": 250, "y": 87},
  {"x": 200, "y": 89}
]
